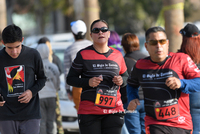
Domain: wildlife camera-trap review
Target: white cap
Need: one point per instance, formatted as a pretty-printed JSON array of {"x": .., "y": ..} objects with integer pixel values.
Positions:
[{"x": 78, "y": 26}]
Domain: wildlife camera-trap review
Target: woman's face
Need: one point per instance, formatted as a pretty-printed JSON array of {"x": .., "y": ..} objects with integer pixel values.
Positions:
[{"x": 100, "y": 38}]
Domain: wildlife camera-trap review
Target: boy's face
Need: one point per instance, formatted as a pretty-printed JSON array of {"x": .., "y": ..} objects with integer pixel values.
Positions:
[{"x": 13, "y": 49}]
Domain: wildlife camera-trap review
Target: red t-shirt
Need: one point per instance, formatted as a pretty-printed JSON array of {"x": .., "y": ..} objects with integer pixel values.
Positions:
[
  {"x": 89, "y": 63},
  {"x": 164, "y": 106}
]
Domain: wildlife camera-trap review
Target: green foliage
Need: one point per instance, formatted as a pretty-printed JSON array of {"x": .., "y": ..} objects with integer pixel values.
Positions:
[
  {"x": 130, "y": 15},
  {"x": 46, "y": 6},
  {"x": 122, "y": 15}
]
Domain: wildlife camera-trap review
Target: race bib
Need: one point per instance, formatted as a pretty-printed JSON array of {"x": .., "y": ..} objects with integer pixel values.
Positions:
[
  {"x": 166, "y": 109},
  {"x": 105, "y": 97}
]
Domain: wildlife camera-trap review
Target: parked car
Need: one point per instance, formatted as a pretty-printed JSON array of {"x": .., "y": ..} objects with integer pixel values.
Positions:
[
  {"x": 59, "y": 44},
  {"x": 62, "y": 37}
]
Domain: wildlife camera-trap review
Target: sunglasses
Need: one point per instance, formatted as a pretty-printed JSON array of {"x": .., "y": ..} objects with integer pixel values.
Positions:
[
  {"x": 155, "y": 42},
  {"x": 97, "y": 30}
]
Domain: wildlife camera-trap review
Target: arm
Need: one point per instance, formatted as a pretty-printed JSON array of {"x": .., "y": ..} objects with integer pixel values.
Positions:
[
  {"x": 132, "y": 92},
  {"x": 67, "y": 65},
  {"x": 121, "y": 79},
  {"x": 40, "y": 77},
  {"x": 39, "y": 83},
  {"x": 190, "y": 85},
  {"x": 124, "y": 78},
  {"x": 56, "y": 77},
  {"x": 123, "y": 87},
  {"x": 185, "y": 85},
  {"x": 58, "y": 62},
  {"x": 133, "y": 97},
  {"x": 74, "y": 80},
  {"x": 2, "y": 100}
]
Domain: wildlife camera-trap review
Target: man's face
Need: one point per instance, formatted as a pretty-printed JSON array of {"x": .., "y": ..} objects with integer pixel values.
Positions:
[
  {"x": 157, "y": 45},
  {"x": 13, "y": 49}
]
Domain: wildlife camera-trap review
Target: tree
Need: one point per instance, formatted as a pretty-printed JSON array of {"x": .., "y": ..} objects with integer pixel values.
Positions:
[
  {"x": 3, "y": 20},
  {"x": 91, "y": 13},
  {"x": 174, "y": 19}
]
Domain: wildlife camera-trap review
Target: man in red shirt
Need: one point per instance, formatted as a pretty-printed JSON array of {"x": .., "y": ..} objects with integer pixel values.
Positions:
[{"x": 166, "y": 79}]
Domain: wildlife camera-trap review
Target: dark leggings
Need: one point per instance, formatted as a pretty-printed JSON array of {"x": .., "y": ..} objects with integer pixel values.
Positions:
[{"x": 101, "y": 124}]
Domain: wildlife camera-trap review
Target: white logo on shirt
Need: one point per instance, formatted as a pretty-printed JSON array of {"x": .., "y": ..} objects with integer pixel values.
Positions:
[{"x": 181, "y": 119}]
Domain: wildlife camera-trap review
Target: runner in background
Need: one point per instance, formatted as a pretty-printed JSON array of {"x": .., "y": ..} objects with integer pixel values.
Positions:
[
  {"x": 134, "y": 121},
  {"x": 191, "y": 46},
  {"x": 48, "y": 93},
  {"x": 55, "y": 59},
  {"x": 79, "y": 30}
]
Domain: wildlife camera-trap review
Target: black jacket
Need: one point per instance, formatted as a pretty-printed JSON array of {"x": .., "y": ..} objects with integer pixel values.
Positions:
[{"x": 131, "y": 59}]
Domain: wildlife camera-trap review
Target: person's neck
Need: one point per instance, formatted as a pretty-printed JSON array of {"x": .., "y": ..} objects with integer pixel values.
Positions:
[{"x": 101, "y": 49}]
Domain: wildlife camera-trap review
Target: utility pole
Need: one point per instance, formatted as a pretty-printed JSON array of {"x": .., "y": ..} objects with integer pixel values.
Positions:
[
  {"x": 3, "y": 20},
  {"x": 174, "y": 20},
  {"x": 91, "y": 13}
]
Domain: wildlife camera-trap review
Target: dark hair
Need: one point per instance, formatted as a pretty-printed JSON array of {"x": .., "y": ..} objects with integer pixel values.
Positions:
[
  {"x": 130, "y": 42},
  {"x": 154, "y": 30},
  {"x": 11, "y": 34},
  {"x": 43, "y": 40},
  {"x": 191, "y": 46},
  {"x": 99, "y": 20},
  {"x": 78, "y": 36}
]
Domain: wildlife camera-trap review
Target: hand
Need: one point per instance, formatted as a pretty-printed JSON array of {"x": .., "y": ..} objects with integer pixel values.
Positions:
[
  {"x": 95, "y": 81},
  {"x": 133, "y": 105},
  {"x": 69, "y": 94},
  {"x": 118, "y": 80},
  {"x": 70, "y": 97},
  {"x": 2, "y": 103},
  {"x": 25, "y": 97},
  {"x": 173, "y": 83}
]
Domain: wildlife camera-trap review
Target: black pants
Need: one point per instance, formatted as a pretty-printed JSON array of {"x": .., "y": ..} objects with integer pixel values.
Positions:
[
  {"x": 159, "y": 129},
  {"x": 101, "y": 124}
]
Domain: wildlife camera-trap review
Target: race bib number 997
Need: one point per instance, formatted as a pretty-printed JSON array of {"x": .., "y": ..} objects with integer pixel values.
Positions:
[{"x": 106, "y": 98}]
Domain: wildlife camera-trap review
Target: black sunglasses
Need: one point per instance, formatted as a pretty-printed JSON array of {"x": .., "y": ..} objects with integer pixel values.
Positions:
[{"x": 97, "y": 30}]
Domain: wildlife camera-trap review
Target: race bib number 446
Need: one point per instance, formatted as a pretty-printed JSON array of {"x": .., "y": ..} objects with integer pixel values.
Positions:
[
  {"x": 166, "y": 109},
  {"x": 106, "y": 98}
]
